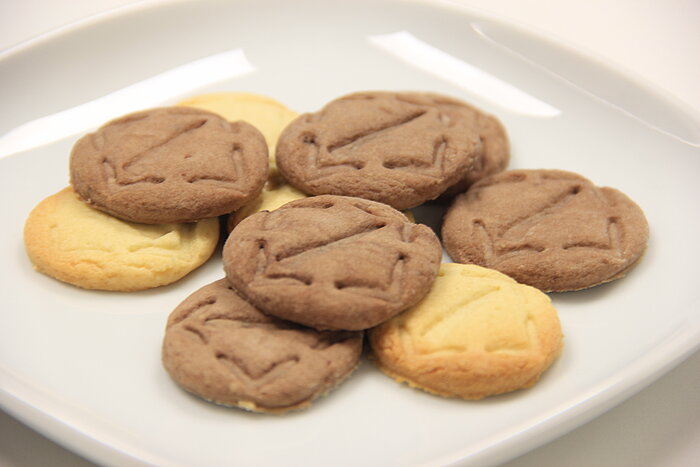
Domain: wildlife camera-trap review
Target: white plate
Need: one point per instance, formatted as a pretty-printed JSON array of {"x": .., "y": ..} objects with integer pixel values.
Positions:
[{"x": 83, "y": 367}]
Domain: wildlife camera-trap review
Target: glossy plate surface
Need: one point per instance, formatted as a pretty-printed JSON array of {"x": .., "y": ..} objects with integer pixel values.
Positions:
[{"x": 84, "y": 367}]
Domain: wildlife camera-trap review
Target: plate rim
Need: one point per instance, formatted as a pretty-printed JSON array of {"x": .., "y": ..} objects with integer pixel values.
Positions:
[
  {"x": 580, "y": 53},
  {"x": 608, "y": 393}
]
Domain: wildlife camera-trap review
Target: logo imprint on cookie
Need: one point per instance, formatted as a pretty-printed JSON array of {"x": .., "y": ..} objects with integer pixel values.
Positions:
[
  {"x": 452, "y": 317},
  {"x": 347, "y": 152},
  {"x": 371, "y": 233},
  {"x": 204, "y": 321},
  {"x": 149, "y": 156},
  {"x": 511, "y": 238}
]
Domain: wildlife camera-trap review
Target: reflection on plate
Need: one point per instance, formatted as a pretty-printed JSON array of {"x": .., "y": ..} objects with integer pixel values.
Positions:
[{"x": 83, "y": 367}]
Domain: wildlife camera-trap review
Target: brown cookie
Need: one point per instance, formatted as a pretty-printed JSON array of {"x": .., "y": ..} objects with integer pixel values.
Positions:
[
  {"x": 494, "y": 155},
  {"x": 401, "y": 149},
  {"x": 332, "y": 262},
  {"x": 165, "y": 165},
  {"x": 221, "y": 348},
  {"x": 550, "y": 229}
]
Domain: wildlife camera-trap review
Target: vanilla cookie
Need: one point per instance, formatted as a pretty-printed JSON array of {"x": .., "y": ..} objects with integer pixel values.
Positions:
[
  {"x": 551, "y": 229},
  {"x": 264, "y": 113},
  {"x": 401, "y": 149},
  {"x": 171, "y": 164},
  {"x": 332, "y": 262},
  {"x": 477, "y": 333},
  {"x": 74, "y": 243},
  {"x": 221, "y": 348}
]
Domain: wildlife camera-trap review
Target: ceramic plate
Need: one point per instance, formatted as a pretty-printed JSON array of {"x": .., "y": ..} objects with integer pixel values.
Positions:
[{"x": 83, "y": 367}]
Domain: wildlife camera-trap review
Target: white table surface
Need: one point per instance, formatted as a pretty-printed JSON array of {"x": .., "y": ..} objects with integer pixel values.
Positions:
[{"x": 658, "y": 41}]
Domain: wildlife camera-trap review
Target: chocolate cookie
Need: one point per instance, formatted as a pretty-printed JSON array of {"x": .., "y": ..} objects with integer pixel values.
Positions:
[
  {"x": 221, "y": 348},
  {"x": 401, "y": 149},
  {"x": 550, "y": 229},
  {"x": 264, "y": 113},
  {"x": 174, "y": 164},
  {"x": 332, "y": 262},
  {"x": 273, "y": 196},
  {"x": 494, "y": 155}
]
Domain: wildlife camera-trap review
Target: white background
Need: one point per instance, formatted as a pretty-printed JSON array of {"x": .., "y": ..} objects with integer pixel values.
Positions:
[{"x": 657, "y": 42}]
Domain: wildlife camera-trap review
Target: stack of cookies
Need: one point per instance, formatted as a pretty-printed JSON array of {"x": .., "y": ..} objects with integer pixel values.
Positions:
[
  {"x": 319, "y": 253},
  {"x": 302, "y": 284},
  {"x": 146, "y": 192}
]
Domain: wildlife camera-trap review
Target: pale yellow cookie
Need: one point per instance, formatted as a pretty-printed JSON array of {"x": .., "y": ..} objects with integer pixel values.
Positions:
[
  {"x": 266, "y": 114},
  {"x": 74, "y": 243},
  {"x": 477, "y": 333}
]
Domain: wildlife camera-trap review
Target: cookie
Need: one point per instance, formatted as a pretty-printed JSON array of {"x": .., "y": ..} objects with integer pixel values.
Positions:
[
  {"x": 332, "y": 262},
  {"x": 494, "y": 155},
  {"x": 270, "y": 117},
  {"x": 172, "y": 164},
  {"x": 221, "y": 348},
  {"x": 401, "y": 149},
  {"x": 477, "y": 333},
  {"x": 272, "y": 197},
  {"x": 74, "y": 243},
  {"x": 264, "y": 113},
  {"x": 551, "y": 229}
]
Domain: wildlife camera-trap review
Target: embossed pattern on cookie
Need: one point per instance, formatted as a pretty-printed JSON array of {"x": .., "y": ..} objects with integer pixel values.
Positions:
[
  {"x": 551, "y": 229},
  {"x": 220, "y": 347},
  {"x": 398, "y": 148},
  {"x": 494, "y": 155},
  {"x": 173, "y": 164},
  {"x": 68, "y": 240},
  {"x": 264, "y": 113},
  {"x": 332, "y": 262},
  {"x": 477, "y": 333}
]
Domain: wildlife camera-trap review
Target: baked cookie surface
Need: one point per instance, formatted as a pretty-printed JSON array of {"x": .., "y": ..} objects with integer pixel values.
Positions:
[
  {"x": 221, "y": 348},
  {"x": 494, "y": 155},
  {"x": 551, "y": 229},
  {"x": 272, "y": 197},
  {"x": 74, "y": 243},
  {"x": 270, "y": 117},
  {"x": 477, "y": 333},
  {"x": 332, "y": 262},
  {"x": 171, "y": 164},
  {"x": 401, "y": 149},
  {"x": 264, "y": 113}
]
